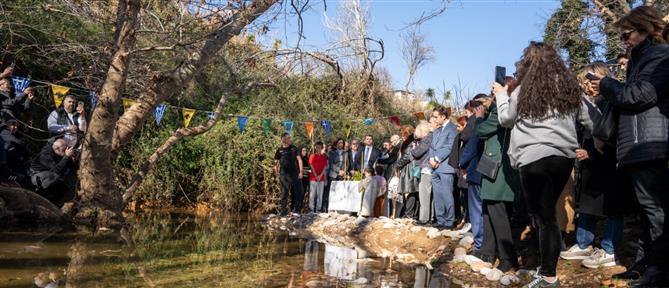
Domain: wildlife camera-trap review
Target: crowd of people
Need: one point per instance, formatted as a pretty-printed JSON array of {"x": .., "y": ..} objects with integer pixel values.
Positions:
[
  {"x": 52, "y": 171},
  {"x": 509, "y": 158}
]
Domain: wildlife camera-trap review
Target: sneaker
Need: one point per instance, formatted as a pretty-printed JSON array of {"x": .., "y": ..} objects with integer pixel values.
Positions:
[
  {"x": 540, "y": 282},
  {"x": 599, "y": 258},
  {"x": 465, "y": 228},
  {"x": 576, "y": 253}
]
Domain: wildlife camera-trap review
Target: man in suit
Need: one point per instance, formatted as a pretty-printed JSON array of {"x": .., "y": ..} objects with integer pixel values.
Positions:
[
  {"x": 354, "y": 158},
  {"x": 442, "y": 173},
  {"x": 370, "y": 154}
]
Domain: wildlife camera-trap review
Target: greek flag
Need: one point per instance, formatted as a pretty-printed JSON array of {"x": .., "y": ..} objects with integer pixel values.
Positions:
[
  {"x": 20, "y": 84},
  {"x": 160, "y": 110}
]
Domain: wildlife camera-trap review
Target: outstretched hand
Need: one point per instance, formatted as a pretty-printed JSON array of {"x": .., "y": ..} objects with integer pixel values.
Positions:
[{"x": 497, "y": 88}]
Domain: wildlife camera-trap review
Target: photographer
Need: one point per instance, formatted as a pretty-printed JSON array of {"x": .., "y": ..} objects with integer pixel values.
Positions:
[{"x": 51, "y": 170}]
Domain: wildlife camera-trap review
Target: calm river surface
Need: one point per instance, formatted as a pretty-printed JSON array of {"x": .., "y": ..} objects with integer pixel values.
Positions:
[{"x": 180, "y": 250}]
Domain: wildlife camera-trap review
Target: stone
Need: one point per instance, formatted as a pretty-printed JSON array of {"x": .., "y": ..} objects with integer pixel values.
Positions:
[
  {"x": 466, "y": 241},
  {"x": 433, "y": 233},
  {"x": 388, "y": 225},
  {"x": 477, "y": 266},
  {"x": 471, "y": 259},
  {"x": 459, "y": 252},
  {"x": 494, "y": 275},
  {"x": 415, "y": 229},
  {"x": 484, "y": 271},
  {"x": 509, "y": 279}
]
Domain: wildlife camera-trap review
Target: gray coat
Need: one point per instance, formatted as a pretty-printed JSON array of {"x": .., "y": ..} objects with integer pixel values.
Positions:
[
  {"x": 420, "y": 153},
  {"x": 335, "y": 163}
]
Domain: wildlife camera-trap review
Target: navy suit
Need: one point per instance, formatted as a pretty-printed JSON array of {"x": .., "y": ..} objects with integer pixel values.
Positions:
[
  {"x": 469, "y": 160},
  {"x": 442, "y": 177}
]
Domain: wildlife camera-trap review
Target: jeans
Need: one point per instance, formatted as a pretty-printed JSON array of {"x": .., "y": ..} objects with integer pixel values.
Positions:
[
  {"x": 542, "y": 182},
  {"x": 587, "y": 225},
  {"x": 442, "y": 189},
  {"x": 316, "y": 195},
  {"x": 475, "y": 210},
  {"x": 425, "y": 198},
  {"x": 291, "y": 182},
  {"x": 650, "y": 181}
]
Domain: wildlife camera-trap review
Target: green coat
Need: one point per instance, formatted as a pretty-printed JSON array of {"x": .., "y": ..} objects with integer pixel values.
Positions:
[{"x": 506, "y": 187}]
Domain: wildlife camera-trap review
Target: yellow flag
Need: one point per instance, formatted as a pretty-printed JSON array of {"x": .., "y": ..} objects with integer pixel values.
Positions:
[
  {"x": 127, "y": 103},
  {"x": 347, "y": 128},
  {"x": 59, "y": 93},
  {"x": 188, "y": 115}
]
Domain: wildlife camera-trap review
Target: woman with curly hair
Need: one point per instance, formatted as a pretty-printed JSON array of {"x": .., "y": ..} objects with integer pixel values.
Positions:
[{"x": 543, "y": 109}]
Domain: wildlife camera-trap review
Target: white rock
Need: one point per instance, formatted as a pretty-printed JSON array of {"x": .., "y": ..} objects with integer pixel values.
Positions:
[
  {"x": 509, "y": 279},
  {"x": 361, "y": 280},
  {"x": 460, "y": 252},
  {"x": 458, "y": 259},
  {"x": 470, "y": 259},
  {"x": 466, "y": 241},
  {"x": 415, "y": 229},
  {"x": 494, "y": 275},
  {"x": 484, "y": 271},
  {"x": 388, "y": 225},
  {"x": 433, "y": 233}
]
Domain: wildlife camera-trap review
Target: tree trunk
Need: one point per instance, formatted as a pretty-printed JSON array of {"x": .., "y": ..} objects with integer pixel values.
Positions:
[
  {"x": 169, "y": 84},
  {"x": 99, "y": 197}
]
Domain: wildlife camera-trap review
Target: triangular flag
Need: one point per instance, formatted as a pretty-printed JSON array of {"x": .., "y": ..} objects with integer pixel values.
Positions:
[
  {"x": 266, "y": 123},
  {"x": 159, "y": 112},
  {"x": 210, "y": 115},
  {"x": 368, "y": 121},
  {"x": 93, "y": 97},
  {"x": 20, "y": 84},
  {"x": 127, "y": 103},
  {"x": 188, "y": 115},
  {"x": 288, "y": 125},
  {"x": 327, "y": 127},
  {"x": 420, "y": 115},
  {"x": 241, "y": 122},
  {"x": 347, "y": 128},
  {"x": 309, "y": 126},
  {"x": 59, "y": 93},
  {"x": 395, "y": 120}
]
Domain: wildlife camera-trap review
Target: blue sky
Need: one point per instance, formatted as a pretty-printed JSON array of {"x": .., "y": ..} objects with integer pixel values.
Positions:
[{"x": 469, "y": 39}]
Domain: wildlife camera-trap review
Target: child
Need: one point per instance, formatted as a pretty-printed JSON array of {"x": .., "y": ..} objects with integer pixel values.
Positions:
[
  {"x": 379, "y": 205},
  {"x": 369, "y": 188},
  {"x": 393, "y": 194}
]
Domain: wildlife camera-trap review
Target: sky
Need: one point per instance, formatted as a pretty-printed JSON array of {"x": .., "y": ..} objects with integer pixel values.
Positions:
[{"x": 469, "y": 39}]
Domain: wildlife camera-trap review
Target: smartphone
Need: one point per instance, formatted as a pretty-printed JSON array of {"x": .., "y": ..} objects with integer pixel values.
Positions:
[
  {"x": 500, "y": 75},
  {"x": 591, "y": 76}
]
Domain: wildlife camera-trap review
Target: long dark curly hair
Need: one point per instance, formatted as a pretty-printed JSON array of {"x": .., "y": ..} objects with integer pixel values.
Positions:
[{"x": 546, "y": 86}]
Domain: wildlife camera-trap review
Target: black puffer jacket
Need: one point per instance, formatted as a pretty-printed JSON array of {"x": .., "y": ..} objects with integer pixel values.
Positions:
[{"x": 643, "y": 102}]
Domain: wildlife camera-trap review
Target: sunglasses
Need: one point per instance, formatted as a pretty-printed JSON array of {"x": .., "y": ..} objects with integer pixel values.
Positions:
[{"x": 626, "y": 35}]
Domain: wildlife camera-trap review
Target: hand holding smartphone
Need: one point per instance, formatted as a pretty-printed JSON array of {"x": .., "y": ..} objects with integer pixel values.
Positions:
[{"x": 591, "y": 76}]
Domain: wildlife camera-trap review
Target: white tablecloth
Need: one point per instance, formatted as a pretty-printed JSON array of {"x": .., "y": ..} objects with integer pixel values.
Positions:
[{"x": 344, "y": 196}]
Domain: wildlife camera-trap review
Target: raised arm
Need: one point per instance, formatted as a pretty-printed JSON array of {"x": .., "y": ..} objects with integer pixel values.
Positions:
[
  {"x": 506, "y": 107},
  {"x": 641, "y": 93}
]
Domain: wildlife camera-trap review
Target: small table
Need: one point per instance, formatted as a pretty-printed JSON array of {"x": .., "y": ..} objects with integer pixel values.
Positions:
[{"x": 344, "y": 196}]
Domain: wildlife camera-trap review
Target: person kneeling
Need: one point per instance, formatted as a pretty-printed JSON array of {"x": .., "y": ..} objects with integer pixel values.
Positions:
[{"x": 51, "y": 169}]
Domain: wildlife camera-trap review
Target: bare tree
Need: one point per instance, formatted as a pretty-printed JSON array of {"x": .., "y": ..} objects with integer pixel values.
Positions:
[{"x": 415, "y": 53}]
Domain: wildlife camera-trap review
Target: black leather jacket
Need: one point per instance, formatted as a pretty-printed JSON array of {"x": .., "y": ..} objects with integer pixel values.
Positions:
[{"x": 643, "y": 103}]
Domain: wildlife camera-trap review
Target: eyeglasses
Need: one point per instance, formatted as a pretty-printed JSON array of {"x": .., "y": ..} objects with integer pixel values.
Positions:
[{"x": 626, "y": 35}]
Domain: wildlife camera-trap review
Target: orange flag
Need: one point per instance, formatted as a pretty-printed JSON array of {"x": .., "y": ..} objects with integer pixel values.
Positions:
[
  {"x": 310, "y": 129},
  {"x": 420, "y": 115}
]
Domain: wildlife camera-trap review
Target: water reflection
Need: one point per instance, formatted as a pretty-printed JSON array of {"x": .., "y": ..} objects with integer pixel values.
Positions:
[{"x": 179, "y": 250}]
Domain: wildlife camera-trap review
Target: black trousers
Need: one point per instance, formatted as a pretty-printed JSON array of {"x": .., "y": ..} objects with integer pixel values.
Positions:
[
  {"x": 542, "y": 182},
  {"x": 291, "y": 182},
  {"x": 411, "y": 206},
  {"x": 497, "y": 237},
  {"x": 650, "y": 180}
]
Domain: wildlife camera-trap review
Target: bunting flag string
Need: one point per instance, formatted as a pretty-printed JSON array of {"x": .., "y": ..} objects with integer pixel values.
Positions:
[
  {"x": 266, "y": 123},
  {"x": 127, "y": 103},
  {"x": 327, "y": 127},
  {"x": 159, "y": 112},
  {"x": 93, "y": 98},
  {"x": 188, "y": 115},
  {"x": 241, "y": 122},
  {"x": 288, "y": 126},
  {"x": 309, "y": 126},
  {"x": 20, "y": 84},
  {"x": 395, "y": 120},
  {"x": 59, "y": 93}
]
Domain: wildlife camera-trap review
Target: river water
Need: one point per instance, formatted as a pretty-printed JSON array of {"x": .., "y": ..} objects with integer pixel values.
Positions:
[{"x": 180, "y": 250}]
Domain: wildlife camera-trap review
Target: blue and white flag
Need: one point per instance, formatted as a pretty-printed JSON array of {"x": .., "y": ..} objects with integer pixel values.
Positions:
[
  {"x": 20, "y": 84},
  {"x": 288, "y": 125},
  {"x": 327, "y": 127},
  {"x": 368, "y": 121},
  {"x": 160, "y": 110},
  {"x": 93, "y": 97},
  {"x": 241, "y": 122},
  {"x": 210, "y": 115}
]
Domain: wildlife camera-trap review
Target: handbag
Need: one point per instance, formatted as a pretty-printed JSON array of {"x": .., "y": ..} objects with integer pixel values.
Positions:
[
  {"x": 415, "y": 171},
  {"x": 488, "y": 166},
  {"x": 606, "y": 125}
]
